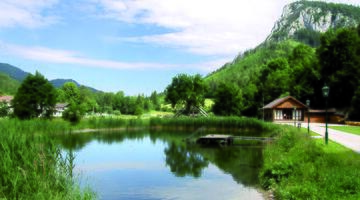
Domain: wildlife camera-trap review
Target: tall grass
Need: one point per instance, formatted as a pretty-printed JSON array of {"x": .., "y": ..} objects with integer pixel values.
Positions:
[
  {"x": 34, "y": 126},
  {"x": 31, "y": 164},
  {"x": 298, "y": 167},
  {"x": 111, "y": 122},
  {"x": 216, "y": 123}
]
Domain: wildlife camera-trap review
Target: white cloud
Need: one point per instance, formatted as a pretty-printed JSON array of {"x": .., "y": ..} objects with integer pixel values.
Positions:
[
  {"x": 206, "y": 27},
  {"x": 27, "y": 13},
  {"x": 216, "y": 27},
  {"x": 44, "y": 54}
]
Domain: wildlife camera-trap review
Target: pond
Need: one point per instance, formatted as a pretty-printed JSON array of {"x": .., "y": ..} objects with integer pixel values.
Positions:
[{"x": 156, "y": 165}]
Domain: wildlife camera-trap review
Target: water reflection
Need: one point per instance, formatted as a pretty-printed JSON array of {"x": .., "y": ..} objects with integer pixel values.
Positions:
[
  {"x": 184, "y": 161},
  {"x": 162, "y": 166}
]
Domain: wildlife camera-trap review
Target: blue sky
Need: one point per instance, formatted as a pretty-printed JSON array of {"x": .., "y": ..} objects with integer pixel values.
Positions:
[{"x": 135, "y": 46}]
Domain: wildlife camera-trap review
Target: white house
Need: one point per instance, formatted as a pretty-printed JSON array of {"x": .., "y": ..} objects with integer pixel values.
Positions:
[{"x": 59, "y": 109}]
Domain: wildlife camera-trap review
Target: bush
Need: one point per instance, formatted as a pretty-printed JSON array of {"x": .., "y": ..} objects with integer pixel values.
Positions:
[{"x": 73, "y": 113}]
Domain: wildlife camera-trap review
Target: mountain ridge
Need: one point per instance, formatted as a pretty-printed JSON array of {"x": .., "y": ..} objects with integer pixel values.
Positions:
[
  {"x": 19, "y": 75},
  {"x": 303, "y": 18},
  {"x": 295, "y": 24}
]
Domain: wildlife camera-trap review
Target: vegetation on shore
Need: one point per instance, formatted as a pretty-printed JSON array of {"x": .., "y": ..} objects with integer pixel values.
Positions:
[
  {"x": 216, "y": 123},
  {"x": 293, "y": 164},
  {"x": 32, "y": 165},
  {"x": 298, "y": 167}
]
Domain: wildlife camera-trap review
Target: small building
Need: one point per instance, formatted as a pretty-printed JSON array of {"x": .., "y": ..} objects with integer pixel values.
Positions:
[
  {"x": 318, "y": 116},
  {"x": 285, "y": 109},
  {"x": 7, "y": 100},
  {"x": 59, "y": 109}
]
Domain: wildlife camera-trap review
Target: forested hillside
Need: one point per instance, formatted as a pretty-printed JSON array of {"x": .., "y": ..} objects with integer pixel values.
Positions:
[
  {"x": 8, "y": 86},
  {"x": 13, "y": 72},
  {"x": 287, "y": 64}
]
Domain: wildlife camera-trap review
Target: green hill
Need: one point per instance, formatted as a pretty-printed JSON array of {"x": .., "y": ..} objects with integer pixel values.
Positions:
[
  {"x": 13, "y": 72},
  {"x": 278, "y": 66},
  {"x": 17, "y": 74},
  {"x": 8, "y": 85}
]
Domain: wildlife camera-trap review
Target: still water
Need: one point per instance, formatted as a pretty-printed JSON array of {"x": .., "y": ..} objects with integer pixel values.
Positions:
[{"x": 143, "y": 165}]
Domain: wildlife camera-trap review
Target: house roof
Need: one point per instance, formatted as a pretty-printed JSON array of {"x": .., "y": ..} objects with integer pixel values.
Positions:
[
  {"x": 277, "y": 102},
  {"x": 7, "y": 99}
]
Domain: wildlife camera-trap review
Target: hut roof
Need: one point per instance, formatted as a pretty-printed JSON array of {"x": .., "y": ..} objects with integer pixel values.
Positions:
[{"x": 279, "y": 101}]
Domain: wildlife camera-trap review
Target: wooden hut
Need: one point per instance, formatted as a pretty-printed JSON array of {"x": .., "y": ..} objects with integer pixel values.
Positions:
[{"x": 285, "y": 109}]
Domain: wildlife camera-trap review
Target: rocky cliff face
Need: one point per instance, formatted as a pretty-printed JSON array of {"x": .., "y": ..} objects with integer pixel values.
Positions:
[{"x": 313, "y": 17}]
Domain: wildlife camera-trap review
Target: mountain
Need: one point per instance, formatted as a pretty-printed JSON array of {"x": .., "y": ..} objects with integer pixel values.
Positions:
[
  {"x": 13, "y": 72},
  {"x": 11, "y": 77},
  {"x": 60, "y": 82},
  {"x": 306, "y": 20},
  {"x": 286, "y": 62},
  {"x": 300, "y": 22}
]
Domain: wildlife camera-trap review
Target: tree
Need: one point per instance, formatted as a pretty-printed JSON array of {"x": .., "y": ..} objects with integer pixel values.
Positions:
[
  {"x": 228, "y": 100},
  {"x": 186, "y": 91},
  {"x": 35, "y": 97},
  {"x": 355, "y": 110},
  {"x": 155, "y": 100},
  {"x": 276, "y": 79},
  {"x": 339, "y": 57},
  {"x": 76, "y": 103},
  {"x": 305, "y": 72}
]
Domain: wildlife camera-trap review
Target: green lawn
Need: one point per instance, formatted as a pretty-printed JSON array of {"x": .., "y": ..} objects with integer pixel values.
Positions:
[
  {"x": 347, "y": 129},
  {"x": 312, "y": 133}
]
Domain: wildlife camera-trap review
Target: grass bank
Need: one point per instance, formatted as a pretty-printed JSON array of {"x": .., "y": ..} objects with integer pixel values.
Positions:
[
  {"x": 348, "y": 129},
  {"x": 32, "y": 166},
  {"x": 298, "y": 167}
]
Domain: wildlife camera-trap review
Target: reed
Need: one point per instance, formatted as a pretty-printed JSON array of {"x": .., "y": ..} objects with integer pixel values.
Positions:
[
  {"x": 215, "y": 123},
  {"x": 32, "y": 166},
  {"x": 111, "y": 122}
]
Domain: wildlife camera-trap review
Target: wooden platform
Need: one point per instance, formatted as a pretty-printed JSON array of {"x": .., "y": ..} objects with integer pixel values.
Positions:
[
  {"x": 218, "y": 139},
  {"x": 215, "y": 139}
]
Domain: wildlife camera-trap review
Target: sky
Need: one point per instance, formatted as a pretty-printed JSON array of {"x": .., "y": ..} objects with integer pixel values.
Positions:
[{"x": 135, "y": 46}]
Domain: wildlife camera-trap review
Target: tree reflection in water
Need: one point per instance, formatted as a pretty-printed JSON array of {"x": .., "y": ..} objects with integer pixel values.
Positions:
[
  {"x": 241, "y": 162},
  {"x": 183, "y": 161}
]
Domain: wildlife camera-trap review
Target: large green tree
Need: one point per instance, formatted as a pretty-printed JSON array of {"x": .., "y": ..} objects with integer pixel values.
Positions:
[
  {"x": 228, "y": 100},
  {"x": 35, "y": 97},
  {"x": 186, "y": 90},
  {"x": 339, "y": 57},
  {"x": 76, "y": 103}
]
